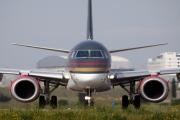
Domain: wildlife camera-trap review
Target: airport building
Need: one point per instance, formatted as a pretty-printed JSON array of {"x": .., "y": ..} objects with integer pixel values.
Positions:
[
  {"x": 54, "y": 63},
  {"x": 59, "y": 63},
  {"x": 167, "y": 60}
]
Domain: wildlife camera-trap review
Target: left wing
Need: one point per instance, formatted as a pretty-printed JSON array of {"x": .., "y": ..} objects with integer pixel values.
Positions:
[
  {"x": 44, "y": 48},
  {"x": 40, "y": 75}
]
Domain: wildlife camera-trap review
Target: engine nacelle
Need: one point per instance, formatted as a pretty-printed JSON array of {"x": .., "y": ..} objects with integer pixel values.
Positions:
[
  {"x": 25, "y": 89},
  {"x": 154, "y": 89}
]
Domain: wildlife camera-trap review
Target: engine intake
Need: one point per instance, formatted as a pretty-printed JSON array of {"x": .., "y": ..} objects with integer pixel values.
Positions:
[
  {"x": 154, "y": 89},
  {"x": 25, "y": 89}
]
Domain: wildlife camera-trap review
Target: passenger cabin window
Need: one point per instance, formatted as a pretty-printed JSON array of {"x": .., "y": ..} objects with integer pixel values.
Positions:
[{"x": 89, "y": 54}]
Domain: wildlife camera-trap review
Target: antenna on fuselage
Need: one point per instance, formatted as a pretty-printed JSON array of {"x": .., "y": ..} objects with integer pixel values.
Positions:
[{"x": 89, "y": 22}]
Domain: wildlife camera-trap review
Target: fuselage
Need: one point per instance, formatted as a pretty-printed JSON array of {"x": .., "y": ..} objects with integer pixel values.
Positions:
[{"x": 89, "y": 63}]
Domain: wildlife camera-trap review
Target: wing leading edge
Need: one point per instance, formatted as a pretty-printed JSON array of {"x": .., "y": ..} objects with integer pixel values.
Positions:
[
  {"x": 127, "y": 76},
  {"x": 121, "y": 50},
  {"x": 44, "y": 48},
  {"x": 40, "y": 75}
]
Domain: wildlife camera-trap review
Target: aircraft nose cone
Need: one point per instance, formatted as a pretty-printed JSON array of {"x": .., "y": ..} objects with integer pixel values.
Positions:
[{"x": 93, "y": 80}]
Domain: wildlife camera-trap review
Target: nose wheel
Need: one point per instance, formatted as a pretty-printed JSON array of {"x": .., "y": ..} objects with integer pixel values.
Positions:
[{"x": 89, "y": 101}]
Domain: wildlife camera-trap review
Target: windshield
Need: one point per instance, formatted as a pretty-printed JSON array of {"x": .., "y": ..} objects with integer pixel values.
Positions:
[
  {"x": 89, "y": 54},
  {"x": 96, "y": 54},
  {"x": 82, "y": 54}
]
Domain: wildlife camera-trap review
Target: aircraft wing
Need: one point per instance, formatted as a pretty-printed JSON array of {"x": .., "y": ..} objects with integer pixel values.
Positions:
[
  {"x": 125, "y": 77},
  {"x": 44, "y": 48},
  {"x": 121, "y": 50},
  {"x": 53, "y": 77}
]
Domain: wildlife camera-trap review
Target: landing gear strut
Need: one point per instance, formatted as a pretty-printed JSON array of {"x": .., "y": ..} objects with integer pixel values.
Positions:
[
  {"x": 135, "y": 100},
  {"x": 45, "y": 100},
  {"x": 89, "y": 99}
]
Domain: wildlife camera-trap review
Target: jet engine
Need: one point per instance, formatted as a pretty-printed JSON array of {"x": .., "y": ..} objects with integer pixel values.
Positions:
[
  {"x": 153, "y": 89},
  {"x": 25, "y": 89}
]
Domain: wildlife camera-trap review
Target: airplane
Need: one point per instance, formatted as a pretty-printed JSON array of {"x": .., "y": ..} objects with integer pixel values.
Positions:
[{"x": 89, "y": 64}]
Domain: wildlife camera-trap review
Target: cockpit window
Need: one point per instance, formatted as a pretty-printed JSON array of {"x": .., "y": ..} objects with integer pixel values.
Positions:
[
  {"x": 82, "y": 54},
  {"x": 96, "y": 54},
  {"x": 105, "y": 55},
  {"x": 89, "y": 54}
]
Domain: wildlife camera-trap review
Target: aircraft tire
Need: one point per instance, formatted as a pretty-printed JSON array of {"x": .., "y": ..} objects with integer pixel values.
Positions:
[
  {"x": 125, "y": 102},
  {"x": 85, "y": 102},
  {"x": 137, "y": 101},
  {"x": 54, "y": 102},
  {"x": 92, "y": 103},
  {"x": 42, "y": 102}
]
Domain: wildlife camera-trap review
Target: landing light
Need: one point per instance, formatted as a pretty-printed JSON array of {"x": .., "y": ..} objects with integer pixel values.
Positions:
[
  {"x": 87, "y": 98},
  {"x": 67, "y": 77},
  {"x": 111, "y": 76}
]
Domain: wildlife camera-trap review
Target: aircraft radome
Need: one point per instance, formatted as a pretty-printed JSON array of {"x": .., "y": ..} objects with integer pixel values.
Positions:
[{"x": 89, "y": 64}]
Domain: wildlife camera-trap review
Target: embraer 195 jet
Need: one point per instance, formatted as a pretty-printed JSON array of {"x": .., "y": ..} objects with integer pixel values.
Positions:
[{"x": 89, "y": 64}]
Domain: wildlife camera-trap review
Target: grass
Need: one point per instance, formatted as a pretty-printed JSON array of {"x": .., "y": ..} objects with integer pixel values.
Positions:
[
  {"x": 13, "y": 110},
  {"x": 100, "y": 112}
]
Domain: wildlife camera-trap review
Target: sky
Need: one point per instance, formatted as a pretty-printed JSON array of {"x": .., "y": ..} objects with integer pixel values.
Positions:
[{"x": 61, "y": 24}]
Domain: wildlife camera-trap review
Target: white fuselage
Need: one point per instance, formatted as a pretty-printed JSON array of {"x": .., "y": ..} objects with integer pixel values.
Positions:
[{"x": 96, "y": 81}]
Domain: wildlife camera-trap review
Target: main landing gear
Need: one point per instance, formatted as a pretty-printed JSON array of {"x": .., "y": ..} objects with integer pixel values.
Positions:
[
  {"x": 45, "y": 100},
  {"x": 126, "y": 102},
  {"x": 135, "y": 100}
]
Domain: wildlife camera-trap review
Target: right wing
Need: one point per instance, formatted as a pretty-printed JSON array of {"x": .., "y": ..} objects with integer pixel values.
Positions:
[
  {"x": 121, "y": 50},
  {"x": 125, "y": 77},
  {"x": 151, "y": 87},
  {"x": 44, "y": 48}
]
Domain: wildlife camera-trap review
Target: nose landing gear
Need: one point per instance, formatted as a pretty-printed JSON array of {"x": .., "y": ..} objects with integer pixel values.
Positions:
[{"x": 89, "y": 99}]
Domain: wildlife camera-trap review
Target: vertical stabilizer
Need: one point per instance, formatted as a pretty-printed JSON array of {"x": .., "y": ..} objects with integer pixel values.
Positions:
[{"x": 89, "y": 22}]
